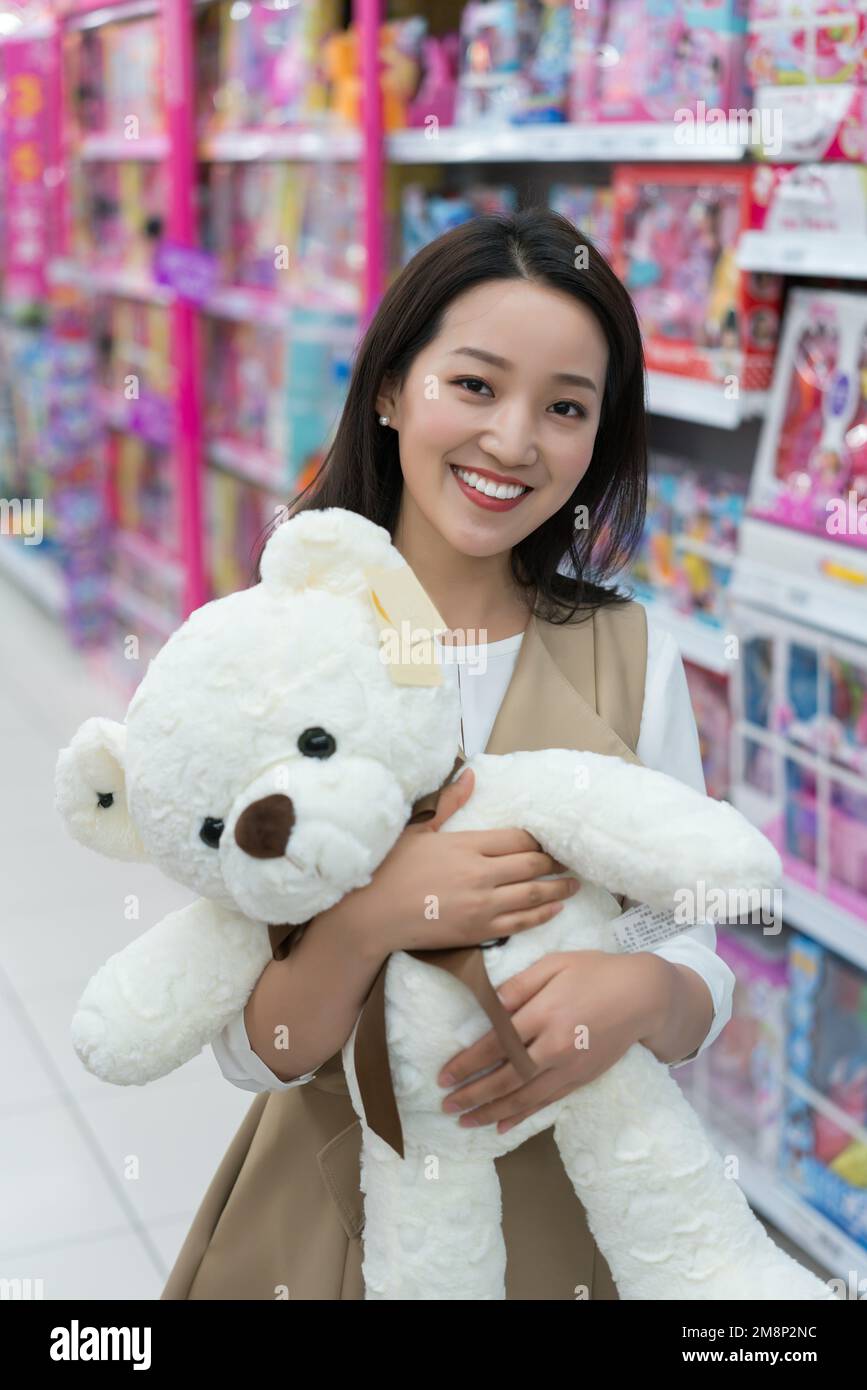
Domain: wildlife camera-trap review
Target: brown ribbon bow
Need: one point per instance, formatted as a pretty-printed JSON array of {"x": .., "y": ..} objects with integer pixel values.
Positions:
[{"x": 466, "y": 963}]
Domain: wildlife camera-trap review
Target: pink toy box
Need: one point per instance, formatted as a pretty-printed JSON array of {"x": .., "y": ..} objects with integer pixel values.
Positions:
[
  {"x": 823, "y": 1151},
  {"x": 799, "y": 758},
  {"x": 642, "y": 60},
  {"x": 811, "y": 466},
  {"x": 675, "y": 235},
  {"x": 808, "y": 43},
  {"x": 805, "y": 198},
  {"x": 814, "y": 123},
  {"x": 708, "y": 693},
  {"x": 738, "y": 1083}
]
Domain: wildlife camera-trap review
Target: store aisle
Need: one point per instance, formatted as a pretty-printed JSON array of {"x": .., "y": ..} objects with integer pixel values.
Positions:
[{"x": 97, "y": 1183}]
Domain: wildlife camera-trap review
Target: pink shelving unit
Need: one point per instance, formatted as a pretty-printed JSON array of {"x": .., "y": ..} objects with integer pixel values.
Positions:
[{"x": 178, "y": 149}]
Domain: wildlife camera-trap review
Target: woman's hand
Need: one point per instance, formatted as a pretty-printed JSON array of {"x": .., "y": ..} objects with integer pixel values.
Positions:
[
  {"x": 433, "y": 891},
  {"x": 576, "y": 1012}
]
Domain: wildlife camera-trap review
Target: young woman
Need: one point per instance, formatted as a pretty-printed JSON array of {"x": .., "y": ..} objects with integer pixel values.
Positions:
[{"x": 495, "y": 425}]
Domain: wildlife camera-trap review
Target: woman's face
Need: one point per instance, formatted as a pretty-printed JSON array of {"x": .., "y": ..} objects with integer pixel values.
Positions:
[{"x": 510, "y": 392}]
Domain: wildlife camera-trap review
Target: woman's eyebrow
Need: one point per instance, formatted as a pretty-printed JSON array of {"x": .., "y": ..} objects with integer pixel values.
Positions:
[{"x": 569, "y": 377}]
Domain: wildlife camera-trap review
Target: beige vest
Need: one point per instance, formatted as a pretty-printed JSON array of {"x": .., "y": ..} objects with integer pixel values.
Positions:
[{"x": 284, "y": 1209}]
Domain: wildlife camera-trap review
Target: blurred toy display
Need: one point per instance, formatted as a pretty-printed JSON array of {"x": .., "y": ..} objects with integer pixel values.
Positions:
[
  {"x": 675, "y": 237},
  {"x": 811, "y": 467},
  {"x": 238, "y": 515},
  {"x": 118, "y": 214},
  {"x": 708, "y": 693},
  {"x": 643, "y": 60},
  {"x": 261, "y": 65},
  {"x": 401, "y": 45},
  {"x": 808, "y": 198},
  {"x": 243, "y": 374},
  {"x": 690, "y": 536},
  {"x": 515, "y": 62},
  {"x": 739, "y": 1083},
  {"x": 136, "y": 376},
  {"x": 426, "y": 214},
  {"x": 824, "y": 1154},
  {"x": 113, "y": 75},
  {"x": 590, "y": 208},
  {"x": 800, "y": 699}
]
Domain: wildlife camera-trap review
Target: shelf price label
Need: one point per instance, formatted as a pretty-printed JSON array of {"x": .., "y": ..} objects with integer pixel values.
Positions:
[{"x": 189, "y": 271}]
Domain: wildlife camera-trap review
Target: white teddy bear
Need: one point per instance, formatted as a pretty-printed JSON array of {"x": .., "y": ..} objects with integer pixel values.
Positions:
[{"x": 269, "y": 761}]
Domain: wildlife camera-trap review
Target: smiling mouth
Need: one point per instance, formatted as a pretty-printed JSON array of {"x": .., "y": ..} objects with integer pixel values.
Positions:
[{"x": 485, "y": 491}]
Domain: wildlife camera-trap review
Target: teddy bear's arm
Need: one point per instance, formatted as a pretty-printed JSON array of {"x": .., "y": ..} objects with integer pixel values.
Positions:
[
  {"x": 157, "y": 1003},
  {"x": 631, "y": 829}
]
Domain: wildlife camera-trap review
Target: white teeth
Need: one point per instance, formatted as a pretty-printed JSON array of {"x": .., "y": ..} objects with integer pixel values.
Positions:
[{"x": 488, "y": 486}]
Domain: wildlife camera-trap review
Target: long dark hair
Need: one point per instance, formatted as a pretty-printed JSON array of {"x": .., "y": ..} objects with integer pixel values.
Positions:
[{"x": 361, "y": 471}]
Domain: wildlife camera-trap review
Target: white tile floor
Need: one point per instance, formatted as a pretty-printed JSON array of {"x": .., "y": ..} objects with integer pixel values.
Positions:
[
  {"x": 98, "y": 1184},
  {"x": 71, "y": 1212}
]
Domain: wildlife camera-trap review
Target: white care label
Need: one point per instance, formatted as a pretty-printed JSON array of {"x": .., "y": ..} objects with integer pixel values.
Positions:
[{"x": 643, "y": 927}]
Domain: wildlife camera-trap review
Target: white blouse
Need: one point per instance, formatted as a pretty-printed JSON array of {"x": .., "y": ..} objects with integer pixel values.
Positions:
[{"x": 668, "y": 741}]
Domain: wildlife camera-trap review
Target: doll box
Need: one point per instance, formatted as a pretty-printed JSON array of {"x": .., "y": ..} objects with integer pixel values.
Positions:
[
  {"x": 675, "y": 236},
  {"x": 813, "y": 123},
  {"x": 824, "y": 1153},
  {"x": 810, "y": 198},
  {"x": 811, "y": 466},
  {"x": 642, "y": 60}
]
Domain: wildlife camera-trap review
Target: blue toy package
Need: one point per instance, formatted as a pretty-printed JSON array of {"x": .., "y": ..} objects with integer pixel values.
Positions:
[
  {"x": 320, "y": 346},
  {"x": 822, "y": 1154}
]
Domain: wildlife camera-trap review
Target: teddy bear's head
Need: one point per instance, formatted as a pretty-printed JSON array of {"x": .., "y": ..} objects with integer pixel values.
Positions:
[{"x": 268, "y": 758}]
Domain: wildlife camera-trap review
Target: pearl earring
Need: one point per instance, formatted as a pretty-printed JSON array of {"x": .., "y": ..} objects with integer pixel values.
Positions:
[{"x": 384, "y": 419}]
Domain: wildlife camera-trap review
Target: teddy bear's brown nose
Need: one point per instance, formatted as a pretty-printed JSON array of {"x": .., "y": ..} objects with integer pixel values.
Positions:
[{"x": 264, "y": 827}]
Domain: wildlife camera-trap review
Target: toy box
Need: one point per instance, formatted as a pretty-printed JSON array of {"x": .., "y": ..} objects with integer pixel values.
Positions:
[
  {"x": 811, "y": 466},
  {"x": 813, "y": 123},
  {"x": 675, "y": 237},
  {"x": 237, "y": 516},
  {"x": 810, "y": 198},
  {"x": 824, "y": 1153},
  {"x": 118, "y": 211},
  {"x": 690, "y": 536},
  {"x": 590, "y": 208},
  {"x": 808, "y": 43},
  {"x": 799, "y": 758},
  {"x": 642, "y": 61},
  {"x": 738, "y": 1083},
  {"x": 426, "y": 215},
  {"x": 708, "y": 693}
]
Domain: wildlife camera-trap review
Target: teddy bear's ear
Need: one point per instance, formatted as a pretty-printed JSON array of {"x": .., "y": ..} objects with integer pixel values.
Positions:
[
  {"x": 90, "y": 790},
  {"x": 326, "y": 549}
]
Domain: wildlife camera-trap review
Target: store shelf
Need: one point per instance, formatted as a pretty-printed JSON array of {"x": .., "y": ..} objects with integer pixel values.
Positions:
[
  {"x": 775, "y": 1200},
  {"x": 804, "y": 253},
  {"x": 702, "y": 402},
  {"x": 243, "y": 305},
  {"x": 140, "y": 609},
  {"x": 124, "y": 284},
  {"x": 35, "y": 573},
  {"x": 825, "y": 922},
  {"x": 336, "y": 143},
  {"x": 87, "y": 15},
  {"x": 247, "y": 462},
  {"x": 114, "y": 147},
  {"x": 550, "y": 143},
  {"x": 699, "y": 642}
]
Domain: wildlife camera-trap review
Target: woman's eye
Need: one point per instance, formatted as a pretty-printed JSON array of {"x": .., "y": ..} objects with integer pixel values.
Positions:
[
  {"x": 581, "y": 412},
  {"x": 471, "y": 382}
]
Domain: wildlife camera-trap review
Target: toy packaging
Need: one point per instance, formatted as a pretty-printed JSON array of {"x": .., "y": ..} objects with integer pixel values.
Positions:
[
  {"x": 515, "y": 63},
  {"x": 824, "y": 1152},
  {"x": 690, "y": 537},
  {"x": 814, "y": 123},
  {"x": 118, "y": 213},
  {"x": 114, "y": 78},
  {"x": 425, "y": 215},
  {"x": 590, "y": 208},
  {"x": 259, "y": 65},
  {"x": 800, "y": 756},
  {"x": 309, "y": 638},
  {"x": 811, "y": 42},
  {"x": 738, "y": 1083},
  {"x": 708, "y": 693},
  {"x": 805, "y": 198},
  {"x": 238, "y": 514},
  {"x": 643, "y": 60},
  {"x": 675, "y": 237},
  {"x": 811, "y": 468}
]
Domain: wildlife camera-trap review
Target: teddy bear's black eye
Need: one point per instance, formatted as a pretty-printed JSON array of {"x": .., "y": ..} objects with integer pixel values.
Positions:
[
  {"x": 105, "y": 799},
  {"x": 316, "y": 743},
  {"x": 211, "y": 831}
]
